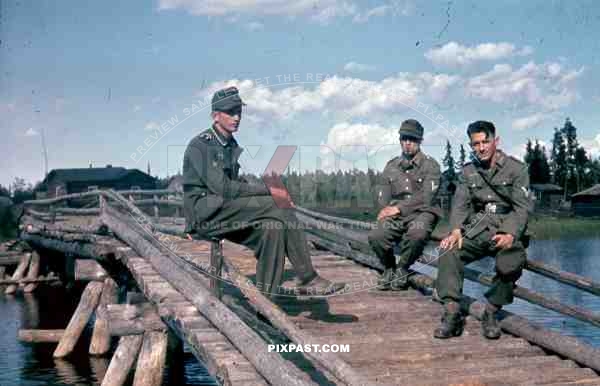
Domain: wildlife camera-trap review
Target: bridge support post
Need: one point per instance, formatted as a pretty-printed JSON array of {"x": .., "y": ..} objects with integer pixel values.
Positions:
[{"x": 216, "y": 266}]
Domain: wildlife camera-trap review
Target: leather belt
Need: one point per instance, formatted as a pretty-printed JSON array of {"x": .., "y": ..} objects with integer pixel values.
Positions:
[{"x": 402, "y": 196}]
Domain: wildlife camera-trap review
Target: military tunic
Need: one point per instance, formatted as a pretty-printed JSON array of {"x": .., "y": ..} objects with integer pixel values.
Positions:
[
  {"x": 481, "y": 212},
  {"x": 217, "y": 203},
  {"x": 412, "y": 186}
]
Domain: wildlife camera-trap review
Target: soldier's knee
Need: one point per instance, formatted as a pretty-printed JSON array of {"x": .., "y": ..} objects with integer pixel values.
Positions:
[
  {"x": 271, "y": 226},
  {"x": 510, "y": 264},
  {"x": 417, "y": 234},
  {"x": 376, "y": 236}
]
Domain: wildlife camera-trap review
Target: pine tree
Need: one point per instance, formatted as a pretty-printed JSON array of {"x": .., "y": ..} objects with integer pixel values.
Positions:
[
  {"x": 558, "y": 159},
  {"x": 450, "y": 171},
  {"x": 539, "y": 171},
  {"x": 573, "y": 175},
  {"x": 528, "y": 153},
  {"x": 462, "y": 158}
]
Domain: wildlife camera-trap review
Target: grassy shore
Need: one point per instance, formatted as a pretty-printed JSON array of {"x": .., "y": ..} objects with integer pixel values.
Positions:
[{"x": 542, "y": 227}]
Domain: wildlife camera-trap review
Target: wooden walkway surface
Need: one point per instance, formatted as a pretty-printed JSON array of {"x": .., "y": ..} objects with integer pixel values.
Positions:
[{"x": 390, "y": 333}]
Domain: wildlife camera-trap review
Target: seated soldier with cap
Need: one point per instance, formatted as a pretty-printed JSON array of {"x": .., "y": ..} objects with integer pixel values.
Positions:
[
  {"x": 219, "y": 204},
  {"x": 489, "y": 217},
  {"x": 411, "y": 212}
]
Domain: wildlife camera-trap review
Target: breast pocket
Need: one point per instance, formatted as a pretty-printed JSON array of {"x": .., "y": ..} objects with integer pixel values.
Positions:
[
  {"x": 475, "y": 183},
  {"x": 504, "y": 186},
  {"x": 402, "y": 185}
]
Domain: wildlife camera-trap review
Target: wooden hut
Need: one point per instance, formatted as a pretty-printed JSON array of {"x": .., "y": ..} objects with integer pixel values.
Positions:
[
  {"x": 66, "y": 181},
  {"x": 546, "y": 196},
  {"x": 587, "y": 202}
]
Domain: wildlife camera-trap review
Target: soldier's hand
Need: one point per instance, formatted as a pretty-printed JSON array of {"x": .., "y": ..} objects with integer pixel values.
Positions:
[
  {"x": 281, "y": 197},
  {"x": 503, "y": 240},
  {"x": 454, "y": 238},
  {"x": 388, "y": 211},
  {"x": 189, "y": 237}
]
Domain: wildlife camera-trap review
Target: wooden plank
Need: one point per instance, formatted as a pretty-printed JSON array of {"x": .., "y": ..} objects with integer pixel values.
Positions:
[{"x": 87, "y": 304}]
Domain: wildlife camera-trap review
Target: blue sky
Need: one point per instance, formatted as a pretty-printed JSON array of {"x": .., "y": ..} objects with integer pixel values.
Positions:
[{"x": 105, "y": 79}]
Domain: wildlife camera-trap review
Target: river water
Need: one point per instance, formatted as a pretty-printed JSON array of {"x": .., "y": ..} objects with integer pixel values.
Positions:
[{"x": 32, "y": 364}]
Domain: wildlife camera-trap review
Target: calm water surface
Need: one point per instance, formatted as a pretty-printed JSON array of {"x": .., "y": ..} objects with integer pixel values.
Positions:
[{"x": 32, "y": 364}]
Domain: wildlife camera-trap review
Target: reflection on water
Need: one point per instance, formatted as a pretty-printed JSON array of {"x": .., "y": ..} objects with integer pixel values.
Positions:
[
  {"x": 580, "y": 256},
  {"x": 32, "y": 364}
]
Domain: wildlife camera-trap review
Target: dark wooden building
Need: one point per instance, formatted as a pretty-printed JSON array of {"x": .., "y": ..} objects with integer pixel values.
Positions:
[
  {"x": 546, "y": 196},
  {"x": 587, "y": 202},
  {"x": 66, "y": 181}
]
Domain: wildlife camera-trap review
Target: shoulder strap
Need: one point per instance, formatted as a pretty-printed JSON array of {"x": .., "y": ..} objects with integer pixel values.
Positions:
[{"x": 502, "y": 195}]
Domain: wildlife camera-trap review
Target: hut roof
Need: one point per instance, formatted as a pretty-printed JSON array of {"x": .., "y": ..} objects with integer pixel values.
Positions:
[
  {"x": 593, "y": 191},
  {"x": 108, "y": 173},
  {"x": 546, "y": 187}
]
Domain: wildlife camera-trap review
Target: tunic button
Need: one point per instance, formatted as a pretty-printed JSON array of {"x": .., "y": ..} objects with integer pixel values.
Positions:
[
  {"x": 489, "y": 196},
  {"x": 407, "y": 180},
  {"x": 407, "y": 188}
]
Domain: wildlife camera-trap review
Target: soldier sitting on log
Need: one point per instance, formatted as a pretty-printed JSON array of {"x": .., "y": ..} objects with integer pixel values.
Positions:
[
  {"x": 219, "y": 204},
  {"x": 412, "y": 182},
  {"x": 489, "y": 218}
]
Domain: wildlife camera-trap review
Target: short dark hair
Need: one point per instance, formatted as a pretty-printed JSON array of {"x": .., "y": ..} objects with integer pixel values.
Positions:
[{"x": 482, "y": 127}]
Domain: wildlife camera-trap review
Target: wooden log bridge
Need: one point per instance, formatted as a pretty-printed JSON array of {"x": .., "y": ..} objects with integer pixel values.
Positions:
[{"x": 201, "y": 293}]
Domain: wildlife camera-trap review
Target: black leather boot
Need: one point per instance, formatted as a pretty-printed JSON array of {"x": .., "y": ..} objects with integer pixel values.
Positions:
[
  {"x": 452, "y": 325},
  {"x": 489, "y": 325},
  {"x": 384, "y": 281},
  {"x": 400, "y": 280}
]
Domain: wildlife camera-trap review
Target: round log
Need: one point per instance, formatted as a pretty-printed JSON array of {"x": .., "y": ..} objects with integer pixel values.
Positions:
[
  {"x": 122, "y": 360},
  {"x": 87, "y": 304},
  {"x": 18, "y": 274},
  {"x": 151, "y": 362},
  {"x": 41, "y": 336},
  {"x": 34, "y": 269},
  {"x": 89, "y": 270},
  {"x": 101, "y": 337},
  {"x": 270, "y": 365}
]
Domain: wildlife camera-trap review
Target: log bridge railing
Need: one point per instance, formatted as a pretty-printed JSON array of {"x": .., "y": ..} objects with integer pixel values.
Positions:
[
  {"x": 346, "y": 238},
  {"x": 118, "y": 214}
]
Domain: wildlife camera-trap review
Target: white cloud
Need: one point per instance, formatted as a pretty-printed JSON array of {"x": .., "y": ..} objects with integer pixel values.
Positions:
[
  {"x": 31, "y": 132},
  {"x": 151, "y": 125},
  {"x": 360, "y": 134},
  {"x": 548, "y": 87},
  {"x": 341, "y": 97},
  {"x": 353, "y": 145},
  {"x": 529, "y": 121},
  {"x": 382, "y": 10},
  {"x": 455, "y": 54},
  {"x": 321, "y": 11},
  {"x": 592, "y": 146},
  {"x": 254, "y": 26},
  {"x": 358, "y": 67},
  {"x": 137, "y": 108}
]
